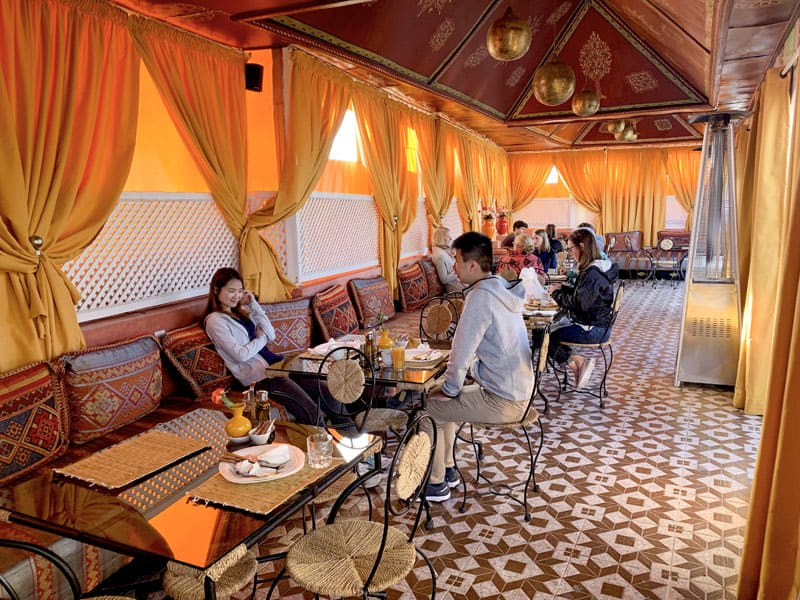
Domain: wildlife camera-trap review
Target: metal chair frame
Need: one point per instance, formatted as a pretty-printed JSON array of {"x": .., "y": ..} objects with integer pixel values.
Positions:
[{"x": 437, "y": 337}]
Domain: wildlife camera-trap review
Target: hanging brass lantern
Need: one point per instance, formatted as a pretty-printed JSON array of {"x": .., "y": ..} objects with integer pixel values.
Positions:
[
  {"x": 628, "y": 134},
  {"x": 585, "y": 103},
  {"x": 509, "y": 37},
  {"x": 615, "y": 127},
  {"x": 553, "y": 83}
]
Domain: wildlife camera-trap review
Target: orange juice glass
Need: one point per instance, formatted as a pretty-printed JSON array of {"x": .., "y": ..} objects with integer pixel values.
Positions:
[{"x": 399, "y": 358}]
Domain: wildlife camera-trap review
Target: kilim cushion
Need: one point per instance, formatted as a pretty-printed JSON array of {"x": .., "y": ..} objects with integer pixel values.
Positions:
[
  {"x": 33, "y": 420},
  {"x": 435, "y": 287},
  {"x": 413, "y": 286},
  {"x": 371, "y": 298},
  {"x": 292, "y": 323},
  {"x": 111, "y": 386},
  {"x": 334, "y": 312},
  {"x": 194, "y": 356}
]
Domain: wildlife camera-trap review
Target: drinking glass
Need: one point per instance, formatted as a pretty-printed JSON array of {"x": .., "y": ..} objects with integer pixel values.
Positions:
[
  {"x": 320, "y": 450},
  {"x": 399, "y": 358}
]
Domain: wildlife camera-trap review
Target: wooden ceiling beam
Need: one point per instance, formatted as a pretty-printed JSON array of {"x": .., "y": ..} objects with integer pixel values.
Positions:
[{"x": 294, "y": 8}]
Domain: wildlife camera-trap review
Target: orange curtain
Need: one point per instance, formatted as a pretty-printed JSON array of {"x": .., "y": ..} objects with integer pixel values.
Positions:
[
  {"x": 771, "y": 559},
  {"x": 469, "y": 196},
  {"x": 584, "y": 174},
  {"x": 528, "y": 174},
  {"x": 635, "y": 192},
  {"x": 55, "y": 113},
  {"x": 436, "y": 163},
  {"x": 764, "y": 211},
  {"x": 683, "y": 170},
  {"x": 383, "y": 126}
]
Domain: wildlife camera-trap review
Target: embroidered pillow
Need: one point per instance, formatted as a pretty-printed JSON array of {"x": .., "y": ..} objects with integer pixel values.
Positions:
[
  {"x": 192, "y": 353},
  {"x": 34, "y": 423},
  {"x": 371, "y": 298},
  {"x": 435, "y": 287},
  {"x": 292, "y": 323},
  {"x": 413, "y": 286},
  {"x": 334, "y": 312},
  {"x": 110, "y": 386}
]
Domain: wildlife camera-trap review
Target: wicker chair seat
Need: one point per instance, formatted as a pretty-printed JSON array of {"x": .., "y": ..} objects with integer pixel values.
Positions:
[
  {"x": 383, "y": 419},
  {"x": 336, "y": 559},
  {"x": 531, "y": 418},
  {"x": 231, "y": 573}
]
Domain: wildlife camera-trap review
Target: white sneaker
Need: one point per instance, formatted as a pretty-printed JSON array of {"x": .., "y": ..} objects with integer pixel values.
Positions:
[{"x": 585, "y": 373}]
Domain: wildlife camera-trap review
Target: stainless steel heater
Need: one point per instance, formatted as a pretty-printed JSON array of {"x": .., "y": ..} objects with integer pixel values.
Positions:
[{"x": 709, "y": 340}]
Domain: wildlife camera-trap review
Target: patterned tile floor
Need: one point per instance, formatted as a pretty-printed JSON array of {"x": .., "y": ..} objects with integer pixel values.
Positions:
[{"x": 646, "y": 498}]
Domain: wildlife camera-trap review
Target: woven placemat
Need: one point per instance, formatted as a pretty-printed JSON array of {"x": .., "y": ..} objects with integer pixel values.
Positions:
[
  {"x": 133, "y": 459},
  {"x": 259, "y": 498}
]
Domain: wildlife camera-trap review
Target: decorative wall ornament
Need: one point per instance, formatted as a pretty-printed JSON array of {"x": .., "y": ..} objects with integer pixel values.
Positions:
[
  {"x": 641, "y": 82},
  {"x": 509, "y": 37},
  {"x": 441, "y": 35},
  {"x": 663, "y": 124},
  {"x": 515, "y": 76},
  {"x": 431, "y": 6},
  {"x": 558, "y": 13},
  {"x": 476, "y": 57},
  {"x": 595, "y": 60}
]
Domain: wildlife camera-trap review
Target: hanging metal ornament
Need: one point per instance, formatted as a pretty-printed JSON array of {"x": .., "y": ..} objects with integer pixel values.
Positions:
[
  {"x": 553, "y": 83},
  {"x": 628, "y": 134},
  {"x": 509, "y": 37},
  {"x": 585, "y": 103}
]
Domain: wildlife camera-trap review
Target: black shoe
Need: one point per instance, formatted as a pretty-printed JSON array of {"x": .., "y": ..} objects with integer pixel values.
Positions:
[
  {"x": 451, "y": 477},
  {"x": 437, "y": 492}
]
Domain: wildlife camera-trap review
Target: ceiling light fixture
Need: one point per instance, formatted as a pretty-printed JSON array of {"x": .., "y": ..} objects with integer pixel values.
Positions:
[
  {"x": 553, "y": 82},
  {"x": 509, "y": 37},
  {"x": 585, "y": 103}
]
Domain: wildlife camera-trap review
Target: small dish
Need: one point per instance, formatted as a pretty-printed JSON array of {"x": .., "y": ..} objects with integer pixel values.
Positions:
[
  {"x": 261, "y": 440},
  {"x": 239, "y": 440}
]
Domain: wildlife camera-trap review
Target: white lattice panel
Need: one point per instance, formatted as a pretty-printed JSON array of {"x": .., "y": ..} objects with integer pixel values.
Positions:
[
  {"x": 416, "y": 239},
  {"x": 336, "y": 233},
  {"x": 155, "y": 248},
  {"x": 452, "y": 221},
  {"x": 675, "y": 217}
]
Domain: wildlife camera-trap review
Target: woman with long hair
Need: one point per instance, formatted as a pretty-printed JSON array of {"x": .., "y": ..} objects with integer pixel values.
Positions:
[
  {"x": 542, "y": 249},
  {"x": 586, "y": 305},
  {"x": 444, "y": 261}
]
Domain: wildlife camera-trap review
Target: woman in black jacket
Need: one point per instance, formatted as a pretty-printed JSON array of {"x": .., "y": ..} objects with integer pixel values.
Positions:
[{"x": 586, "y": 306}]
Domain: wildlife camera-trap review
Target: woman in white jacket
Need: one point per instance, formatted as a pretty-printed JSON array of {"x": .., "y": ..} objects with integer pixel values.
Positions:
[
  {"x": 240, "y": 330},
  {"x": 444, "y": 261}
]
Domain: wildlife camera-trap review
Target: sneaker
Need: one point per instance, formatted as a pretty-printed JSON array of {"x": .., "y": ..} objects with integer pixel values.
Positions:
[
  {"x": 365, "y": 467},
  {"x": 437, "y": 492},
  {"x": 585, "y": 373},
  {"x": 451, "y": 477}
]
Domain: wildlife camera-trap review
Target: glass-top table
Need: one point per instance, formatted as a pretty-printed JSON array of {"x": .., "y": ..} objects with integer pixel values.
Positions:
[{"x": 157, "y": 517}]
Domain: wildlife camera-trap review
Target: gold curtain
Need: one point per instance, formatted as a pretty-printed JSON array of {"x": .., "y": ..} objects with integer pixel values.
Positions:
[
  {"x": 683, "y": 170},
  {"x": 528, "y": 174},
  {"x": 635, "y": 192},
  {"x": 318, "y": 99},
  {"x": 584, "y": 174},
  {"x": 383, "y": 126},
  {"x": 497, "y": 176},
  {"x": 763, "y": 214},
  {"x": 55, "y": 113},
  {"x": 770, "y": 561},
  {"x": 468, "y": 197},
  {"x": 437, "y": 164}
]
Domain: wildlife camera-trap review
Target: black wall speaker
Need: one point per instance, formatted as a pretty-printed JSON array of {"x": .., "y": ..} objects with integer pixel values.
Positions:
[{"x": 253, "y": 76}]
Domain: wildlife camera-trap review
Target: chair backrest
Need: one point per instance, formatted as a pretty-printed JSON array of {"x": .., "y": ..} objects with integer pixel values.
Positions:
[
  {"x": 349, "y": 377},
  {"x": 438, "y": 320},
  {"x": 617, "y": 304},
  {"x": 538, "y": 371},
  {"x": 457, "y": 298},
  {"x": 407, "y": 477}
]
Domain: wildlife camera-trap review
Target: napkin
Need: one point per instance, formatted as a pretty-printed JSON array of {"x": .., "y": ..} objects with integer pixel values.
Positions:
[
  {"x": 275, "y": 455},
  {"x": 251, "y": 469},
  {"x": 323, "y": 349}
]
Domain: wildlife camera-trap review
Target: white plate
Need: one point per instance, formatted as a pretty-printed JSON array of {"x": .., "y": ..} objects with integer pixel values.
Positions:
[
  {"x": 296, "y": 461},
  {"x": 413, "y": 361}
]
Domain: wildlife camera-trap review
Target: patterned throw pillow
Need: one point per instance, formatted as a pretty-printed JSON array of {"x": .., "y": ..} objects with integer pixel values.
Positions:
[
  {"x": 334, "y": 312},
  {"x": 192, "y": 353},
  {"x": 435, "y": 287},
  {"x": 371, "y": 297},
  {"x": 33, "y": 420},
  {"x": 413, "y": 287},
  {"x": 110, "y": 386},
  {"x": 292, "y": 323}
]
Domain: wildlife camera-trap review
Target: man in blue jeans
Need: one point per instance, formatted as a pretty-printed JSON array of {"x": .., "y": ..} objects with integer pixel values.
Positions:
[{"x": 491, "y": 342}]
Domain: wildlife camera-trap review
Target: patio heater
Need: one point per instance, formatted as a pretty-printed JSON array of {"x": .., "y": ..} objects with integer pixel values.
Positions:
[{"x": 708, "y": 347}]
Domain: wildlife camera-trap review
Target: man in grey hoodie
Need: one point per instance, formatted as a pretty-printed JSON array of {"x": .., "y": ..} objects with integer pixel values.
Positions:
[{"x": 491, "y": 341}]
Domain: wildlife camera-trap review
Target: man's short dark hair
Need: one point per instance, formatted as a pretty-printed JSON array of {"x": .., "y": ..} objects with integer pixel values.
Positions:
[
  {"x": 586, "y": 225},
  {"x": 518, "y": 224},
  {"x": 475, "y": 246}
]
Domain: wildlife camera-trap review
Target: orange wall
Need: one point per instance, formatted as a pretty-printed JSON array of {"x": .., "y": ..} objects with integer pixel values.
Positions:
[{"x": 161, "y": 162}]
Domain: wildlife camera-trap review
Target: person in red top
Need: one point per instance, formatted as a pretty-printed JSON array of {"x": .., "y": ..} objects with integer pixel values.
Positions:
[{"x": 521, "y": 257}]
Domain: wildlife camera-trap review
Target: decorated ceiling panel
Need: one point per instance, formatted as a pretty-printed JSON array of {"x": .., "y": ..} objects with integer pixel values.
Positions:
[{"x": 658, "y": 128}]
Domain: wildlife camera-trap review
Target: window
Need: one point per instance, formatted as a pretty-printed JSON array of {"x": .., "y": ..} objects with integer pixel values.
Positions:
[
  {"x": 552, "y": 177},
  {"x": 345, "y": 144}
]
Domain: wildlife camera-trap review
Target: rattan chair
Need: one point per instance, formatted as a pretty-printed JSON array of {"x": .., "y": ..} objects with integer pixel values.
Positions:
[
  {"x": 222, "y": 579},
  {"x": 529, "y": 417},
  {"x": 438, "y": 320},
  {"x": 608, "y": 358},
  {"x": 359, "y": 557}
]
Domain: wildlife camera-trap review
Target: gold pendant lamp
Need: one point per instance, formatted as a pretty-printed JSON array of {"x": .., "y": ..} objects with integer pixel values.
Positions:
[
  {"x": 509, "y": 37},
  {"x": 553, "y": 82},
  {"x": 585, "y": 103}
]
